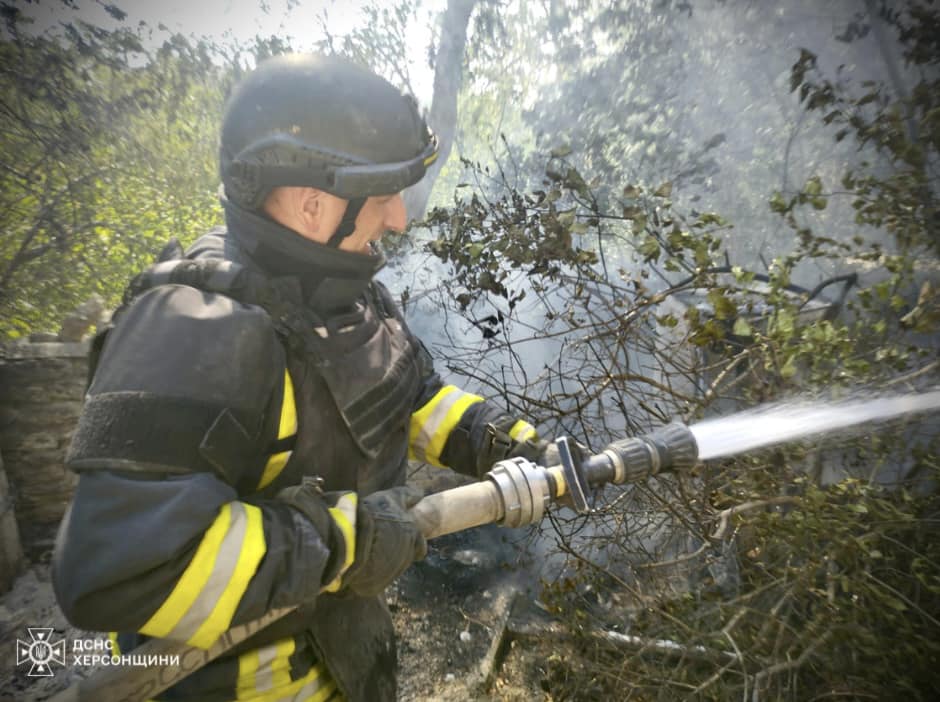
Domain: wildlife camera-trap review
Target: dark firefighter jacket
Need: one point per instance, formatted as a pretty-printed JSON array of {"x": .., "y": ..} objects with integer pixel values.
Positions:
[{"x": 200, "y": 411}]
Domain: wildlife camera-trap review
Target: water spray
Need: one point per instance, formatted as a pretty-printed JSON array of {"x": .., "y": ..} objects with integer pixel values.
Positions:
[
  {"x": 781, "y": 423},
  {"x": 518, "y": 492}
]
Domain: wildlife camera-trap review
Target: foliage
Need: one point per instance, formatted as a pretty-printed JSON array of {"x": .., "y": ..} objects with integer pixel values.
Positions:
[
  {"x": 798, "y": 574},
  {"x": 794, "y": 574},
  {"x": 609, "y": 101},
  {"x": 380, "y": 41},
  {"x": 835, "y": 593},
  {"x": 905, "y": 129},
  {"x": 109, "y": 150}
]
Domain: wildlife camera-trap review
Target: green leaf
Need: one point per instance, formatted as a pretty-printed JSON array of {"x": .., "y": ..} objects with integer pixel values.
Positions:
[
  {"x": 742, "y": 276},
  {"x": 813, "y": 186},
  {"x": 664, "y": 190},
  {"x": 677, "y": 239},
  {"x": 650, "y": 248},
  {"x": 742, "y": 328},
  {"x": 702, "y": 259},
  {"x": 639, "y": 223},
  {"x": 778, "y": 204},
  {"x": 631, "y": 212},
  {"x": 668, "y": 320},
  {"x": 561, "y": 151},
  {"x": 783, "y": 322},
  {"x": 724, "y": 308},
  {"x": 707, "y": 218}
]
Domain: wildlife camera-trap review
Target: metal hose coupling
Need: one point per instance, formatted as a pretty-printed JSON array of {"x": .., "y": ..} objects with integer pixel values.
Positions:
[
  {"x": 671, "y": 447},
  {"x": 524, "y": 489}
]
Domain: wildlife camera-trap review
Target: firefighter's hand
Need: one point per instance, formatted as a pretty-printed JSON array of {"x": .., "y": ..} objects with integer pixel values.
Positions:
[
  {"x": 548, "y": 452},
  {"x": 387, "y": 540}
]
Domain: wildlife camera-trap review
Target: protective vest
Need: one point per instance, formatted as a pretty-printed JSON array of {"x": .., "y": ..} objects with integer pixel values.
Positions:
[
  {"x": 218, "y": 376},
  {"x": 356, "y": 377},
  {"x": 366, "y": 357}
]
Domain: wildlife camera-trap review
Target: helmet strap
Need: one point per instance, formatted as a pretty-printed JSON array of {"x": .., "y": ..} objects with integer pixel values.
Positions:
[{"x": 348, "y": 223}]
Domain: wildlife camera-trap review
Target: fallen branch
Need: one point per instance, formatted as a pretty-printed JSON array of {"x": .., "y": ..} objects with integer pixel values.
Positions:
[{"x": 638, "y": 644}]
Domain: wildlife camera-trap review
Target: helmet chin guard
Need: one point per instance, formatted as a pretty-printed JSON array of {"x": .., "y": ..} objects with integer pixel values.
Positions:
[{"x": 347, "y": 224}]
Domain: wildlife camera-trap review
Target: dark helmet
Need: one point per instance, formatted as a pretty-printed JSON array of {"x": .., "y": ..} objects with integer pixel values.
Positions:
[{"x": 323, "y": 122}]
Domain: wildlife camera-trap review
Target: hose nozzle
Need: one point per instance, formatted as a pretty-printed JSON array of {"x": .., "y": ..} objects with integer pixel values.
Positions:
[{"x": 671, "y": 447}]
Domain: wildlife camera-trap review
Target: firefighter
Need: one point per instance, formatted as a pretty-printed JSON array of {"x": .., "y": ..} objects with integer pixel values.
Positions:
[{"x": 251, "y": 410}]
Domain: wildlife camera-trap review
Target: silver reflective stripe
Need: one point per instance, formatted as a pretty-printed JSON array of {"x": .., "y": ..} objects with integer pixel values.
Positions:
[
  {"x": 264, "y": 677},
  {"x": 222, "y": 571},
  {"x": 434, "y": 422},
  {"x": 311, "y": 688}
]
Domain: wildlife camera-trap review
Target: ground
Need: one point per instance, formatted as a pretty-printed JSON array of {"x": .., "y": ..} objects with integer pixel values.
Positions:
[{"x": 451, "y": 612}]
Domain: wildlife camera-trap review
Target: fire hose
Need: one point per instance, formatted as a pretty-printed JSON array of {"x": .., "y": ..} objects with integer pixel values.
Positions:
[{"x": 515, "y": 493}]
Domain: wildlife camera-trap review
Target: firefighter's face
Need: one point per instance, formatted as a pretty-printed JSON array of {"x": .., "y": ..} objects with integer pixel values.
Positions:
[
  {"x": 316, "y": 215},
  {"x": 380, "y": 214}
]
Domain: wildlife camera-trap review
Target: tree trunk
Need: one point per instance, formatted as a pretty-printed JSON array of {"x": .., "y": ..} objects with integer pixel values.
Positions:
[{"x": 448, "y": 75}]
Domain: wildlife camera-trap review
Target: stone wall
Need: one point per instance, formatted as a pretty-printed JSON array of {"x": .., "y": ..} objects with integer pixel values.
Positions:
[
  {"x": 11, "y": 551},
  {"x": 41, "y": 390}
]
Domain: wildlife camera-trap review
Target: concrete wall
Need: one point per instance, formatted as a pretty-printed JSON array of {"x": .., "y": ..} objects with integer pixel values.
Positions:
[{"x": 41, "y": 390}]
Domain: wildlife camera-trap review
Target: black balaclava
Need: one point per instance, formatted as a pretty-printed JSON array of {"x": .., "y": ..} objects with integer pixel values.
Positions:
[{"x": 332, "y": 280}]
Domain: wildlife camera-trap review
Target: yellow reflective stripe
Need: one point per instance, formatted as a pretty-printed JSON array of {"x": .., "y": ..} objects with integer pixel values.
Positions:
[
  {"x": 430, "y": 159},
  {"x": 192, "y": 581},
  {"x": 433, "y": 423},
  {"x": 314, "y": 691},
  {"x": 248, "y": 664},
  {"x": 522, "y": 431},
  {"x": 280, "y": 666},
  {"x": 250, "y": 553},
  {"x": 344, "y": 515},
  {"x": 436, "y": 446},
  {"x": 205, "y": 597},
  {"x": 319, "y": 694},
  {"x": 417, "y": 440},
  {"x": 315, "y": 686},
  {"x": 273, "y": 468},
  {"x": 561, "y": 486},
  {"x": 115, "y": 647},
  {"x": 287, "y": 426},
  {"x": 264, "y": 669}
]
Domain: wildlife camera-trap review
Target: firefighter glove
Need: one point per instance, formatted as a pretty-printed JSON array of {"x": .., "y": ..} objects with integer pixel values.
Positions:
[{"x": 386, "y": 540}]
